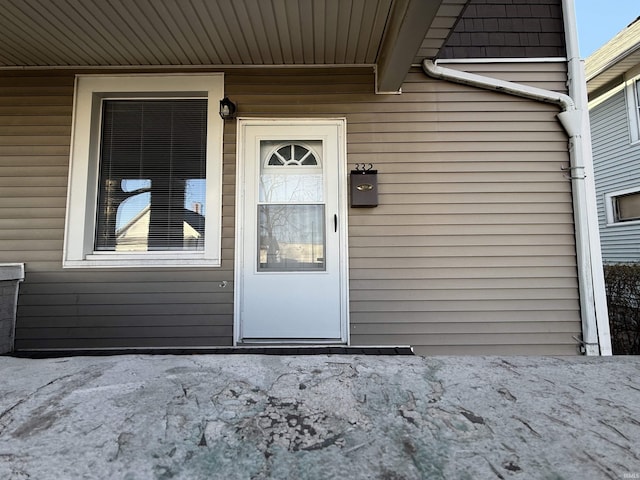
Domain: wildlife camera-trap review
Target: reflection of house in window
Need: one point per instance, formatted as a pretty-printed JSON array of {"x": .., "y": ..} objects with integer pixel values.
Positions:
[
  {"x": 133, "y": 236},
  {"x": 291, "y": 237}
]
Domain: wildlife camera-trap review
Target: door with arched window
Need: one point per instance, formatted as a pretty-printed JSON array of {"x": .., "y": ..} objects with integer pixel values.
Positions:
[{"x": 291, "y": 281}]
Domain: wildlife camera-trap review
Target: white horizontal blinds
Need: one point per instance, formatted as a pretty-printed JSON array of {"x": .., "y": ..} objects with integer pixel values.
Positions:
[{"x": 152, "y": 175}]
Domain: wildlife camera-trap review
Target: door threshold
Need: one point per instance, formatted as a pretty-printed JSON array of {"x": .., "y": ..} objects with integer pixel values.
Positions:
[{"x": 237, "y": 350}]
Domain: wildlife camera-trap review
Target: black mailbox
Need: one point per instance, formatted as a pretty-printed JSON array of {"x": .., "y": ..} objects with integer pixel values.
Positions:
[{"x": 364, "y": 188}]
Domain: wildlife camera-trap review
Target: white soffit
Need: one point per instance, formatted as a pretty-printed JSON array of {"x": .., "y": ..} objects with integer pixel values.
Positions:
[
  {"x": 61, "y": 33},
  {"x": 191, "y": 32},
  {"x": 613, "y": 59}
]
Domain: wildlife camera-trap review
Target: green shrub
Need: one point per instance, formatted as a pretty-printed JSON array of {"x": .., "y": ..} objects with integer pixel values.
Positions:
[{"x": 623, "y": 299}]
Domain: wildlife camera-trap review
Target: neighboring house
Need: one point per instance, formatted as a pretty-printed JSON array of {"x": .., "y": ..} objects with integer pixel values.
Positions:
[
  {"x": 613, "y": 82},
  {"x": 479, "y": 243}
]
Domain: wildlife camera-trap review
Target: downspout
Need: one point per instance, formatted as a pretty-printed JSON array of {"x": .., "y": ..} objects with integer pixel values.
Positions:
[
  {"x": 575, "y": 120},
  {"x": 597, "y": 326}
]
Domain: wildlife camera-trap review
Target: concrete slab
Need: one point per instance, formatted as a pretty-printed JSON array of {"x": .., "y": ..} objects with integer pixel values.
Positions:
[{"x": 317, "y": 417}]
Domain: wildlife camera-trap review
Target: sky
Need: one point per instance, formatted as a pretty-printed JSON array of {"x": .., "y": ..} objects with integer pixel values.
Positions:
[{"x": 600, "y": 20}]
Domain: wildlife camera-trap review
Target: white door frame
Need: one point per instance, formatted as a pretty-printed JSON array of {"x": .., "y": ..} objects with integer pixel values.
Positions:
[{"x": 241, "y": 182}]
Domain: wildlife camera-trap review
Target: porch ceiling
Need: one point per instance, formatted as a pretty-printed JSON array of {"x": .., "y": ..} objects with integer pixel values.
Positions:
[{"x": 88, "y": 33}]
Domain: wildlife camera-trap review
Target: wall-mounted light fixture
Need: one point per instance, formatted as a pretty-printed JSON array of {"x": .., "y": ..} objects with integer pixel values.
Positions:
[{"x": 227, "y": 109}]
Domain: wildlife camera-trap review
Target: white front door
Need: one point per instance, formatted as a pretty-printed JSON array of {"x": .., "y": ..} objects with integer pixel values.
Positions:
[{"x": 291, "y": 270}]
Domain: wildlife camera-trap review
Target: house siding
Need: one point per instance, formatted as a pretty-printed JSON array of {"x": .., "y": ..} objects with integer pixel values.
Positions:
[
  {"x": 617, "y": 168},
  {"x": 470, "y": 251}
]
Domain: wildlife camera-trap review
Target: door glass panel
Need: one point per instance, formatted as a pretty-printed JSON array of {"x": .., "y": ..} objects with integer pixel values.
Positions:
[
  {"x": 276, "y": 187},
  {"x": 291, "y": 238},
  {"x": 291, "y": 171},
  {"x": 291, "y": 211}
]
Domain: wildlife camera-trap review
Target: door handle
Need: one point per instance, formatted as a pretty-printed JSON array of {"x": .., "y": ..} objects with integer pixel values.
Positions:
[{"x": 335, "y": 223}]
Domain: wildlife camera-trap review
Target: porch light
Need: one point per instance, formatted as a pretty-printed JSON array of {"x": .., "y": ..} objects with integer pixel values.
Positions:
[{"x": 227, "y": 109}]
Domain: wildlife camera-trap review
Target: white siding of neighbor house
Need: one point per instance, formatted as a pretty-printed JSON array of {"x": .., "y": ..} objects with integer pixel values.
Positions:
[
  {"x": 471, "y": 250},
  {"x": 617, "y": 168}
]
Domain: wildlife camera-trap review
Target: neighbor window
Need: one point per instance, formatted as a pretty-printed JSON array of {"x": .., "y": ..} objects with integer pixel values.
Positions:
[
  {"x": 637, "y": 108},
  {"x": 623, "y": 206},
  {"x": 633, "y": 103},
  {"x": 145, "y": 172}
]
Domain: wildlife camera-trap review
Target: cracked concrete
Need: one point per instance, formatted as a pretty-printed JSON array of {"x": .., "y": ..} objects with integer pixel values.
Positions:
[{"x": 316, "y": 417}]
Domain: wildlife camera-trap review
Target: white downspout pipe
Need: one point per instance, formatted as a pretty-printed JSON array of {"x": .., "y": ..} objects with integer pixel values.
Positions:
[
  {"x": 583, "y": 157},
  {"x": 575, "y": 120},
  {"x": 489, "y": 83}
]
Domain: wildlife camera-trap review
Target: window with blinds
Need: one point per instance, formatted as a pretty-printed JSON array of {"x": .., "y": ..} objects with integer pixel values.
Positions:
[
  {"x": 152, "y": 175},
  {"x": 145, "y": 172},
  {"x": 635, "y": 126},
  {"x": 627, "y": 207}
]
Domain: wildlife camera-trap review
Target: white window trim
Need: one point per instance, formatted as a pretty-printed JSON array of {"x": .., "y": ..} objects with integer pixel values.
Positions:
[
  {"x": 84, "y": 159},
  {"x": 632, "y": 90},
  {"x": 609, "y": 200}
]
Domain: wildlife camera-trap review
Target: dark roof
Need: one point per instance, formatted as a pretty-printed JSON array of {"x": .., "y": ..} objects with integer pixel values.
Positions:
[{"x": 508, "y": 29}]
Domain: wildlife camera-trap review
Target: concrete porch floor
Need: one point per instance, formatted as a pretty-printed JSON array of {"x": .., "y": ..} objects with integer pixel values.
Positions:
[{"x": 319, "y": 417}]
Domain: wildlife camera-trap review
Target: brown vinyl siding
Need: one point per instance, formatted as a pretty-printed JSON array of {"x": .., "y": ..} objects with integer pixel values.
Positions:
[
  {"x": 470, "y": 251},
  {"x": 86, "y": 308}
]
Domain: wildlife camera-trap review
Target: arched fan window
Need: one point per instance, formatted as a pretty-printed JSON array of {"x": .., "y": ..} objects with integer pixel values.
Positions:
[{"x": 292, "y": 154}]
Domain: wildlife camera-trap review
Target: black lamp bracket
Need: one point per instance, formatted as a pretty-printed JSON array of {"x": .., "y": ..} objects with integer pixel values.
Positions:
[{"x": 228, "y": 109}]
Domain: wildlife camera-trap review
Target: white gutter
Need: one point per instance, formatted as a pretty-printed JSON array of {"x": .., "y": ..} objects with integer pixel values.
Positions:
[{"x": 575, "y": 120}]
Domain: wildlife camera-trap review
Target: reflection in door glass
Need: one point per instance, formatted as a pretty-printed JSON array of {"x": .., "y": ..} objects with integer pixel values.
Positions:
[
  {"x": 291, "y": 238},
  {"x": 291, "y": 171},
  {"x": 289, "y": 187}
]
